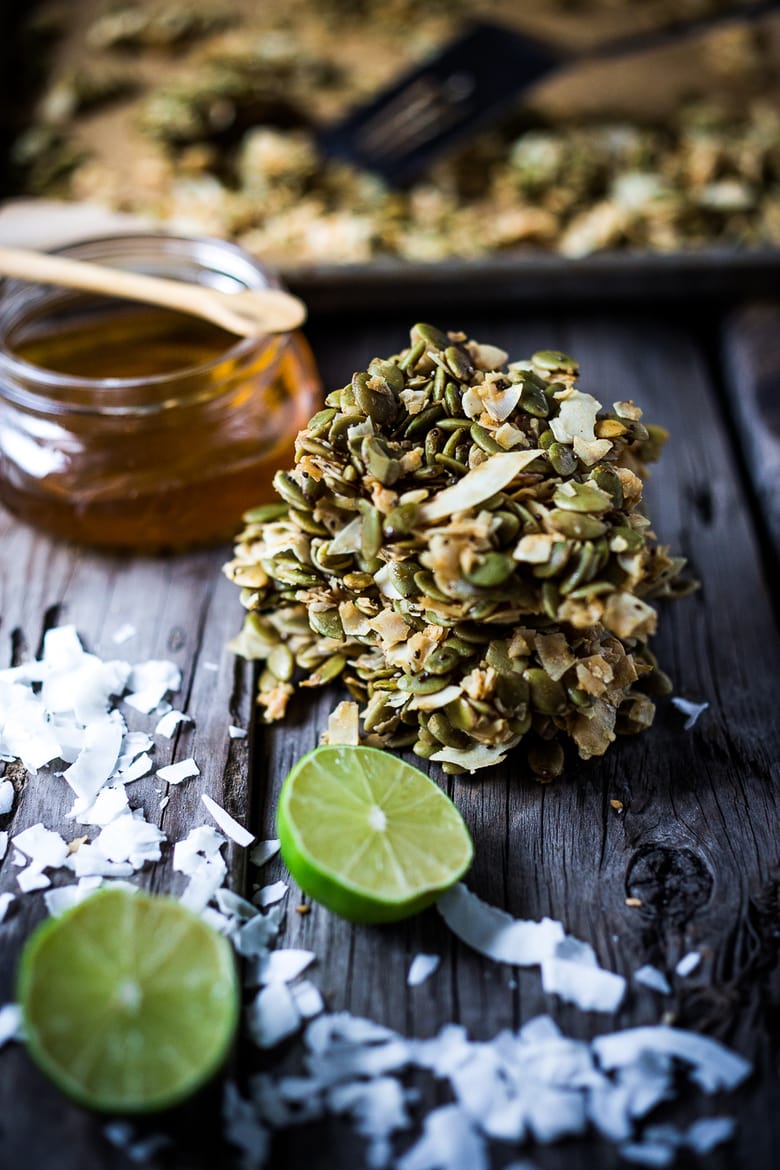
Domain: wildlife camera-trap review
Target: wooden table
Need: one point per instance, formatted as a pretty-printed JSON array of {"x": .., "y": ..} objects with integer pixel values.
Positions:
[{"x": 697, "y": 839}]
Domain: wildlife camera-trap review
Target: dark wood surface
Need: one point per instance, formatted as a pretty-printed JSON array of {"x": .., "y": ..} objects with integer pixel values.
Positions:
[{"x": 697, "y": 839}]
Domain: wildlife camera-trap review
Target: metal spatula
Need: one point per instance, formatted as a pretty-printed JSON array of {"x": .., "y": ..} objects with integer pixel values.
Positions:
[{"x": 469, "y": 85}]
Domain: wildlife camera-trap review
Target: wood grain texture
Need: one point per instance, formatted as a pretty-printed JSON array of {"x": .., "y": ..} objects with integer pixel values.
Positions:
[{"x": 697, "y": 838}]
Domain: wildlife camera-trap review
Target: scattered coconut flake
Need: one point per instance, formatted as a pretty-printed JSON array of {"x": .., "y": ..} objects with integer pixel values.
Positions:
[
  {"x": 130, "y": 837},
  {"x": 61, "y": 898},
  {"x": 480, "y": 484},
  {"x": 264, "y": 851},
  {"x": 150, "y": 681},
  {"x": 377, "y": 1109},
  {"x": 256, "y": 935},
  {"x": 267, "y": 895},
  {"x": 234, "y": 905},
  {"x": 495, "y": 933},
  {"x": 422, "y": 967},
  {"x": 203, "y": 840},
  {"x": 228, "y": 825},
  {"x": 125, "y": 632},
  {"x": 141, "y": 766},
  {"x": 10, "y": 1023},
  {"x": 6, "y": 797},
  {"x": 590, "y": 988},
  {"x": 242, "y": 1129},
  {"x": 688, "y": 964},
  {"x": 206, "y": 875},
  {"x": 5, "y": 901},
  {"x": 284, "y": 965},
  {"x": 164, "y": 802},
  {"x": 3, "y": 843},
  {"x": 45, "y": 848},
  {"x": 18, "y": 858},
  {"x": 109, "y": 803},
  {"x": 124, "y": 1136},
  {"x": 30, "y": 879},
  {"x": 96, "y": 761},
  {"x": 170, "y": 721},
  {"x": 237, "y": 732},
  {"x": 648, "y": 1153},
  {"x": 272, "y": 1015},
  {"x": 449, "y": 1142},
  {"x": 713, "y": 1066},
  {"x": 308, "y": 999},
  {"x": 176, "y": 773},
  {"x": 692, "y": 710},
  {"x": 707, "y": 1133},
  {"x": 91, "y": 861},
  {"x": 653, "y": 978}
]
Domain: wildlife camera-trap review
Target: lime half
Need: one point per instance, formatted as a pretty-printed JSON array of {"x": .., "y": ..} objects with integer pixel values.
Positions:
[
  {"x": 369, "y": 836},
  {"x": 129, "y": 1002}
]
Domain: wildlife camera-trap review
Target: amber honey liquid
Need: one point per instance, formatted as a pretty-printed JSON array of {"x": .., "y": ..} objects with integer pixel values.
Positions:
[{"x": 175, "y": 463}]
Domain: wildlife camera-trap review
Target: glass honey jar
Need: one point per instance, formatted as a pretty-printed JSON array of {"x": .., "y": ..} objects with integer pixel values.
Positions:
[{"x": 131, "y": 427}]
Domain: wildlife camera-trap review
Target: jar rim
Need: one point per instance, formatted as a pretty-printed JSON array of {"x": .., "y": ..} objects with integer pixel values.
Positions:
[{"x": 83, "y": 249}]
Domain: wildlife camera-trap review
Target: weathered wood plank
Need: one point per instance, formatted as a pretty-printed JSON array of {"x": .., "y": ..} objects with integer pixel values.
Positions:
[
  {"x": 751, "y": 349},
  {"x": 183, "y": 609},
  {"x": 697, "y": 837}
]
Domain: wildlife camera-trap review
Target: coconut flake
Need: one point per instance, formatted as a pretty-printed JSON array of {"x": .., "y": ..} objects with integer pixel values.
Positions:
[
  {"x": 3, "y": 843},
  {"x": 96, "y": 761},
  {"x": 129, "y": 837},
  {"x": 489, "y": 477},
  {"x": 5, "y": 901},
  {"x": 110, "y": 802},
  {"x": 272, "y": 1015},
  {"x": 170, "y": 721},
  {"x": 125, "y": 632},
  {"x": 237, "y": 732},
  {"x": 653, "y": 978},
  {"x": 175, "y": 773},
  {"x": 422, "y": 967},
  {"x": 377, "y": 1109},
  {"x": 138, "y": 1149},
  {"x": 139, "y": 767},
  {"x": 45, "y": 848},
  {"x": 707, "y": 1133},
  {"x": 235, "y": 906},
  {"x": 268, "y": 895},
  {"x": 242, "y": 1129},
  {"x": 30, "y": 879},
  {"x": 713, "y": 1066},
  {"x": 308, "y": 999},
  {"x": 255, "y": 936},
  {"x": 648, "y": 1153},
  {"x": 150, "y": 681},
  {"x": 10, "y": 1023},
  {"x": 590, "y": 988},
  {"x": 449, "y": 1142},
  {"x": 264, "y": 851},
  {"x": 692, "y": 710},
  {"x": 688, "y": 964},
  {"x": 6, "y": 797},
  {"x": 495, "y": 933},
  {"x": 228, "y": 825},
  {"x": 284, "y": 965}
]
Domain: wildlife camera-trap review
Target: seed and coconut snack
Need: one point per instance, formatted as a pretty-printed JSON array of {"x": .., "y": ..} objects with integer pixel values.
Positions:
[{"x": 461, "y": 543}]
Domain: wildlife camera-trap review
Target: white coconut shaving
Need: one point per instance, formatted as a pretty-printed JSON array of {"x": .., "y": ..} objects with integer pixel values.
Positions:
[
  {"x": 6, "y": 797},
  {"x": 166, "y": 726},
  {"x": 5, "y": 901},
  {"x": 176, "y": 773},
  {"x": 494, "y": 932},
  {"x": 199, "y": 859},
  {"x": 243, "y": 1130},
  {"x": 267, "y": 895},
  {"x": 228, "y": 824},
  {"x": 3, "y": 843},
  {"x": 10, "y": 1023},
  {"x": 150, "y": 682},
  {"x": 139, "y": 1149},
  {"x": 264, "y": 851},
  {"x": 691, "y": 710},
  {"x": 653, "y": 978},
  {"x": 421, "y": 968},
  {"x": 45, "y": 849},
  {"x": 712, "y": 1065},
  {"x": 308, "y": 999},
  {"x": 285, "y": 965},
  {"x": 272, "y": 1015},
  {"x": 236, "y": 732},
  {"x": 688, "y": 964},
  {"x": 123, "y": 634}
]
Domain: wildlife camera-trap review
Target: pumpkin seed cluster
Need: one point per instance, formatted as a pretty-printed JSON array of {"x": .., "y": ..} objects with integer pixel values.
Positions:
[{"x": 460, "y": 542}]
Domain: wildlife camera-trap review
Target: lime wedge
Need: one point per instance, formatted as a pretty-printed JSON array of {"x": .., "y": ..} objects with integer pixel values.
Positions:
[
  {"x": 369, "y": 836},
  {"x": 129, "y": 1002}
]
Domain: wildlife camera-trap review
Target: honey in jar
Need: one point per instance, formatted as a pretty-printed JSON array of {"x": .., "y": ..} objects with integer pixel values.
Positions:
[{"x": 125, "y": 426}]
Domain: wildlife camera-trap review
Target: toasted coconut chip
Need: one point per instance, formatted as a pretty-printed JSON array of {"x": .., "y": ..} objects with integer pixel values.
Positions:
[
  {"x": 474, "y": 758},
  {"x": 436, "y": 700},
  {"x": 576, "y": 417},
  {"x": 343, "y": 725},
  {"x": 478, "y": 485}
]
